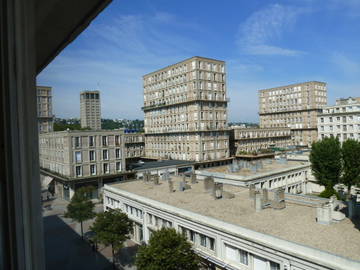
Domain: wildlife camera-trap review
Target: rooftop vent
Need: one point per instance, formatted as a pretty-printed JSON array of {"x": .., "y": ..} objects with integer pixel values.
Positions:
[
  {"x": 217, "y": 190},
  {"x": 279, "y": 199},
  {"x": 193, "y": 178},
  {"x": 208, "y": 184}
]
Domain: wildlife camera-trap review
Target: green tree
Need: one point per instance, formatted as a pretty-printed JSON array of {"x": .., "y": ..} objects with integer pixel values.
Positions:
[
  {"x": 167, "y": 250},
  {"x": 325, "y": 158},
  {"x": 81, "y": 208},
  {"x": 351, "y": 163},
  {"x": 112, "y": 228}
]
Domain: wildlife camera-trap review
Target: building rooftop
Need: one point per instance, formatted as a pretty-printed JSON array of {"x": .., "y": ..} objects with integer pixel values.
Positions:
[
  {"x": 159, "y": 164},
  {"x": 291, "y": 85},
  {"x": 295, "y": 223},
  {"x": 248, "y": 174},
  {"x": 185, "y": 60}
]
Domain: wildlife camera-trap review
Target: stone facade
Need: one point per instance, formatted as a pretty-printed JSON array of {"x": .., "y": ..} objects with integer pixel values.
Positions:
[
  {"x": 81, "y": 154},
  {"x": 44, "y": 109},
  {"x": 294, "y": 106},
  {"x": 134, "y": 145},
  {"x": 255, "y": 139},
  {"x": 90, "y": 110},
  {"x": 185, "y": 108},
  {"x": 341, "y": 120}
]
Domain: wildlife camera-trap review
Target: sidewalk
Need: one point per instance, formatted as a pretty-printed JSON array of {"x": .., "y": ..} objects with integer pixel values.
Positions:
[{"x": 66, "y": 250}]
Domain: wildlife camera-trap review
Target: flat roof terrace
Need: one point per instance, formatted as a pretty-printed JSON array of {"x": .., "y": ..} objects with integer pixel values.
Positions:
[
  {"x": 296, "y": 223},
  {"x": 248, "y": 174}
]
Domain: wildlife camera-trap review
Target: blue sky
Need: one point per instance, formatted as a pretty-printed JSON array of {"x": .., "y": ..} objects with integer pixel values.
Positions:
[{"x": 264, "y": 43}]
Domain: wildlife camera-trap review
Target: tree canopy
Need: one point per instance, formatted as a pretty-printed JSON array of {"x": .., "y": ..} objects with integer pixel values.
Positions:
[
  {"x": 167, "y": 250},
  {"x": 112, "y": 228},
  {"x": 351, "y": 163},
  {"x": 325, "y": 158},
  {"x": 81, "y": 208}
]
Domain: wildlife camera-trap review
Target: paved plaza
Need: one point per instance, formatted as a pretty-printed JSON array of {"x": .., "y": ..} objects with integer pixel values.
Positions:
[{"x": 65, "y": 250}]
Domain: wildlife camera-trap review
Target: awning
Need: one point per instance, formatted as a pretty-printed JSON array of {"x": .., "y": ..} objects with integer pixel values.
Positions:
[{"x": 46, "y": 181}]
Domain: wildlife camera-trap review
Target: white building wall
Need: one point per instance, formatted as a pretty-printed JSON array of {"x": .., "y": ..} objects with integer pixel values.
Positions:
[{"x": 261, "y": 250}]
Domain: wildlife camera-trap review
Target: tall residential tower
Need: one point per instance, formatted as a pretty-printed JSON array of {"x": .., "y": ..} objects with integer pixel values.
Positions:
[
  {"x": 295, "y": 106},
  {"x": 185, "y": 108},
  {"x": 44, "y": 109},
  {"x": 90, "y": 110}
]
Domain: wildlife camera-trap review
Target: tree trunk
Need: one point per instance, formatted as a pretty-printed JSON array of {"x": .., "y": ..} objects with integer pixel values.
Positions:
[
  {"x": 348, "y": 195},
  {"x": 113, "y": 256},
  {"x": 82, "y": 232}
]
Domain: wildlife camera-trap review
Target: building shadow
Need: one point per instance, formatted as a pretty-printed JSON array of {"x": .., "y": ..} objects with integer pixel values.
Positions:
[
  {"x": 356, "y": 219},
  {"x": 65, "y": 250}
]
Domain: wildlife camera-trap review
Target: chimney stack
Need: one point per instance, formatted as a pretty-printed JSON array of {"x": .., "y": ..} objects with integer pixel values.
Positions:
[{"x": 279, "y": 199}]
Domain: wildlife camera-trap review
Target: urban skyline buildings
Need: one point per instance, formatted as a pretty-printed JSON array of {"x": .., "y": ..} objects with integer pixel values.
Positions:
[
  {"x": 341, "y": 120},
  {"x": 293, "y": 106},
  {"x": 185, "y": 107},
  {"x": 44, "y": 109},
  {"x": 90, "y": 110}
]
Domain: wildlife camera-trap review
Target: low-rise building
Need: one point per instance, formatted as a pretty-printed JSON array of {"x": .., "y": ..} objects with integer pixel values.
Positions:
[
  {"x": 76, "y": 158},
  {"x": 341, "y": 120},
  {"x": 262, "y": 174},
  {"x": 228, "y": 232},
  {"x": 256, "y": 139}
]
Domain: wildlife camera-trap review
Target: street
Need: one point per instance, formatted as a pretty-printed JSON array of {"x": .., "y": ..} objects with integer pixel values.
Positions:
[{"x": 65, "y": 250}]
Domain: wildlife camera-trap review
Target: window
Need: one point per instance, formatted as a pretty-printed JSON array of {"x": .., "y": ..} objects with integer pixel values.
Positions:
[
  {"x": 92, "y": 155},
  {"x": 77, "y": 156},
  {"x": 78, "y": 171},
  {"x": 92, "y": 169},
  {"x": 118, "y": 166},
  {"x": 106, "y": 168},
  {"x": 105, "y": 154},
  {"x": 104, "y": 140},
  {"x": 203, "y": 240},
  {"x": 274, "y": 266},
  {"x": 91, "y": 141},
  {"x": 77, "y": 142},
  {"x": 117, "y": 139},
  {"x": 118, "y": 153},
  {"x": 244, "y": 257}
]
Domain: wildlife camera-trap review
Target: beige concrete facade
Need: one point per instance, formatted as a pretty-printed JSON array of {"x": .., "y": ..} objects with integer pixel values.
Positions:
[
  {"x": 79, "y": 154},
  {"x": 341, "y": 120},
  {"x": 293, "y": 106},
  {"x": 90, "y": 110},
  {"x": 134, "y": 145},
  {"x": 185, "y": 108},
  {"x": 255, "y": 139},
  {"x": 44, "y": 109}
]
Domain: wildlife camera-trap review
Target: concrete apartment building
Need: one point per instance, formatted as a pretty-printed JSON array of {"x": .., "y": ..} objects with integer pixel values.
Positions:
[
  {"x": 293, "y": 106},
  {"x": 341, "y": 120},
  {"x": 44, "y": 109},
  {"x": 90, "y": 110},
  {"x": 185, "y": 108},
  {"x": 134, "y": 145},
  {"x": 234, "y": 228},
  {"x": 76, "y": 158},
  {"x": 255, "y": 139}
]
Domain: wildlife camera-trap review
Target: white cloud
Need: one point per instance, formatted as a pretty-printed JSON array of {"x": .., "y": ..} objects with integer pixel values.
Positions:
[
  {"x": 114, "y": 57},
  {"x": 345, "y": 64},
  {"x": 265, "y": 26}
]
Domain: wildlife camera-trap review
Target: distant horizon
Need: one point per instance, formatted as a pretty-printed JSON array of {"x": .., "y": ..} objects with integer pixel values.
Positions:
[{"x": 263, "y": 45}]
